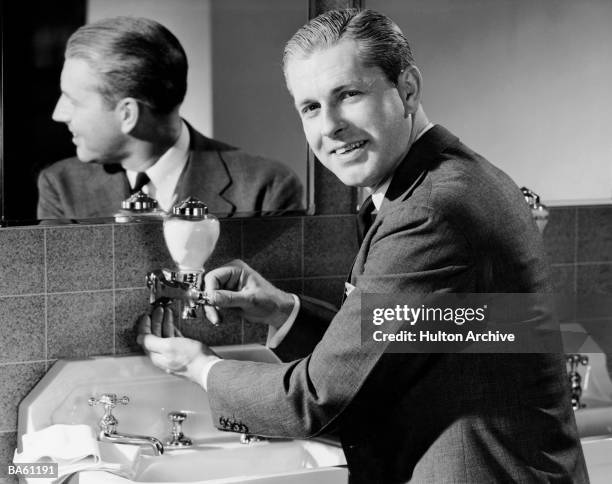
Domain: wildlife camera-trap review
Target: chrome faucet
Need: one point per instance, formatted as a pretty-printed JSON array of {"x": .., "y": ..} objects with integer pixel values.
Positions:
[
  {"x": 575, "y": 380},
  {"x": 108, "y": 424},
  {"x": 191, "y": 234},
  {"x": 539, "y": 212},
  {"x": 178, "y": 438},
  {"x": 166, "y": 285}
]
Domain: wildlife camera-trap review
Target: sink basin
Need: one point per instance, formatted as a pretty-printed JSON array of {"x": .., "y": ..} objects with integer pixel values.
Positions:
[
  {"x": 238, "y": 461},
  {"x": 216, "y": 457},
  {"x": 230, "y": 462},
  {"x": 597, "y": 452}
]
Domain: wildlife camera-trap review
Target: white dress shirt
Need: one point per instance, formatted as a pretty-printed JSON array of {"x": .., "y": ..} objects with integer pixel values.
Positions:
[{"x": 165, "y": 173}]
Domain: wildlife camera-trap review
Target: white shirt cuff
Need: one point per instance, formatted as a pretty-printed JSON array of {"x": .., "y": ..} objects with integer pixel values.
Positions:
[
  {"x": 205, "y": 371},
  {"x": 276, "y": 336}
]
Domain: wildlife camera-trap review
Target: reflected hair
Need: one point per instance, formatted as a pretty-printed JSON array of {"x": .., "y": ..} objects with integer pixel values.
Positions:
[
  {"x": 133, "y": 57},
  {"x": 381, "y": 42}
]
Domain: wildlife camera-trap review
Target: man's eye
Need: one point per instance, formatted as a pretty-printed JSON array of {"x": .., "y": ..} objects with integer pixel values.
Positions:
[
  {"x": 348, "y": 94},
  {"x": 308, "y": 109}
]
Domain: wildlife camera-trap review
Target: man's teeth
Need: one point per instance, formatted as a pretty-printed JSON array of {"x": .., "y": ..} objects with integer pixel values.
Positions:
[{"x": 349, "y": 147}]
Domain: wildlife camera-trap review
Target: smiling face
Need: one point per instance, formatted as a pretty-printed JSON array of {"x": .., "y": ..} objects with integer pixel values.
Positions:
[
  {"x": 356, "y": 122},
  {"x": 96, "y": 127}
]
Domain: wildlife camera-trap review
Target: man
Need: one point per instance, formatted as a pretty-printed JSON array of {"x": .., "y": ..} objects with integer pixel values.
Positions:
[
  {"x": 448, "y": 221},
  {"x": 122, "y": 83}
]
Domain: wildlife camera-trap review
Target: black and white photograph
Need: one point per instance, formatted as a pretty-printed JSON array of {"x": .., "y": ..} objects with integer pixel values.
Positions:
[{"x": 305, "y": 241}]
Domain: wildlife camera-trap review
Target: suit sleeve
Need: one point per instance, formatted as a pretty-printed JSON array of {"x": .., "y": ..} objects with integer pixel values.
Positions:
[
  {"x": 413, "y": 251},
  {"x": 49, "y": 203}
]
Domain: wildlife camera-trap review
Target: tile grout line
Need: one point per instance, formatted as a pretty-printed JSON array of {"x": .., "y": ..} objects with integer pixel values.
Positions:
[
  {"x": 242, "y": 322},
  {"x": 113, "y": 285},
  {"x": 46, "y": 300},
  {"x": 576, "y": 225},
  {"x": 303, "y": 254}
]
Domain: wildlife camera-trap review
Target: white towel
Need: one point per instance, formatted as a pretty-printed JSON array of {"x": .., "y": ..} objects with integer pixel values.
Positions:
[
  {"x": 64, "y": 444},
  {"x": 75, "y": 448}
]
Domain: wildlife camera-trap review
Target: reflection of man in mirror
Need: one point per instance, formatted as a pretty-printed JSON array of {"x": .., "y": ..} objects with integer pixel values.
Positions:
[
  {"x": 448, "y": 221},
  {"x": 122, "y": 84}
]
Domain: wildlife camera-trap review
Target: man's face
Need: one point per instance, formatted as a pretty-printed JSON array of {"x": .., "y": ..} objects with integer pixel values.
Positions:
[
  {"x": 96, "y": 128},
  {"x": 354, "y": 119}
]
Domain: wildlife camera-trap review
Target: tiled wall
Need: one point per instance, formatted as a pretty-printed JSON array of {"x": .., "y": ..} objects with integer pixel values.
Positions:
[{"x": 74, "y": 291}]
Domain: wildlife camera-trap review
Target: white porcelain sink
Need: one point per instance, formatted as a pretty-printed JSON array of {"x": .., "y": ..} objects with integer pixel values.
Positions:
[
  {"x": 238, "y": 461},
  {"x": 594, "y": 421},
  {"x": 216, "y": 457}
]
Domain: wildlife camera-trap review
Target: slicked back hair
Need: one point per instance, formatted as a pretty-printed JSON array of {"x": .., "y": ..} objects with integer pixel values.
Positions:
[
  {"x": 133, "y": 57},
  {"x": 381, "y": 42}
]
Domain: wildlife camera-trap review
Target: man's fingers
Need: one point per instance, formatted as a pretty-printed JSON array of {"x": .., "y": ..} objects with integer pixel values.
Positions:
[
  {"x": 167, "y": 330},
  {"x": 227, "y": 276},
  {"x": 229, "y": 299},
  {"x": 144, "y": 327},
  {"x": 157, "y": 317},
  {"x": 212, "y": 314},
  {"x": 144, "y": 324}
]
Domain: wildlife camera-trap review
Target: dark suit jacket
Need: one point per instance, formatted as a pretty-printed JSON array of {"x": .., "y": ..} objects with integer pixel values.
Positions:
[
  {"x": 226, "y": 179},
  {"x": 451, "y": 222}
]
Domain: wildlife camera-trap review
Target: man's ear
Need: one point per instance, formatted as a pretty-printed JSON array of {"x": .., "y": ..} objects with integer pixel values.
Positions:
[
  {"x": 409, "y": 87},
  {"x": 128, "y": 111}
]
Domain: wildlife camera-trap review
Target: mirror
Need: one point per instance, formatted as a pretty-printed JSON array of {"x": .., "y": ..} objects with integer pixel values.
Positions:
[
  {"x": 526, "y": 84},
  {"x": 235, "y": 94}
]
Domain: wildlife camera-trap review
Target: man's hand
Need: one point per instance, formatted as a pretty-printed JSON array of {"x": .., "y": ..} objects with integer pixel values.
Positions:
[
  {"x": 168, "y": 350},
  {"x": 238, "y": 286}
]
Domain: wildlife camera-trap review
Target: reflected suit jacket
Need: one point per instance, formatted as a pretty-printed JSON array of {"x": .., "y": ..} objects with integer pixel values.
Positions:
[
  {"x": 226, "y": 179},
  {"x": 450, "y": 222}
]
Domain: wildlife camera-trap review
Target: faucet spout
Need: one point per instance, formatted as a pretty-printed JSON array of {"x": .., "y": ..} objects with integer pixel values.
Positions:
[{"x": 116, "y": 438}]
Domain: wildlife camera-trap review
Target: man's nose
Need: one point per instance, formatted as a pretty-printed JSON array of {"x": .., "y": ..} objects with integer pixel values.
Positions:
[
  {"x": 332, "y": 122},
  {"x": 62, "y": 110}
]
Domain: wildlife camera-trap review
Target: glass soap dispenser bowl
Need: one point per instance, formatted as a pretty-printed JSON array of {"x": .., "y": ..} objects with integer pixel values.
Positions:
[{"x": 191, "y": 234}]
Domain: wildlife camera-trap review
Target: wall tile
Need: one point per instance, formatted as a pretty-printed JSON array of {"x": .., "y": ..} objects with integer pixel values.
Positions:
[
  {"x": 229, "y": 245},
  {"x": 563, "y": 281},
  {"x": 22, "y": 320},
  {"x": 80, "y": 324},
  {"x": 139, "y": 249},
  {"x": 273, "y": 246},
  {"x": 329, "y": 289},
  {"x": 594, "y": 234},
  {"x": 22, "y": 261},
  {"x": 594, "y": 283},
  {"x": 330, "y": 245},
  {"x": 16, "y": 381},
  {"x": 560, "y": 235},
  {"x": 8, "y": 443},
  {"x": 79, "y": 258},
  {"x": 255, "y": 333},
  {"x": 129, "y": 304}
]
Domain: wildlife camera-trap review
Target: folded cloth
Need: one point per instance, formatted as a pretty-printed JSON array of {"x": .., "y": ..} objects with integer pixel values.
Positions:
[
  {"x": 75, "y": 448},
  {"x": 64, "y": 444}
]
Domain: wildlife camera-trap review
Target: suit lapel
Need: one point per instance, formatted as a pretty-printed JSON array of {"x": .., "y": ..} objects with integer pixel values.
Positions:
[
  {"x": 205, "y": 175},
  {"x": 108, "y": 190},
  {"x": 410, "y": 173}
]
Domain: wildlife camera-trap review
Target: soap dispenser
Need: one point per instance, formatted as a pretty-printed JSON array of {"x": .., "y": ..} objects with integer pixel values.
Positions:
[{"x": 191, "y": 234}]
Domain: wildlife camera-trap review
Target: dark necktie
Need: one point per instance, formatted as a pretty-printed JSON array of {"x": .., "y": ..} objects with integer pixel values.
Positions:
[
  {"x": 141, "y": 180},
  {"x": 365, "y": 218}
]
